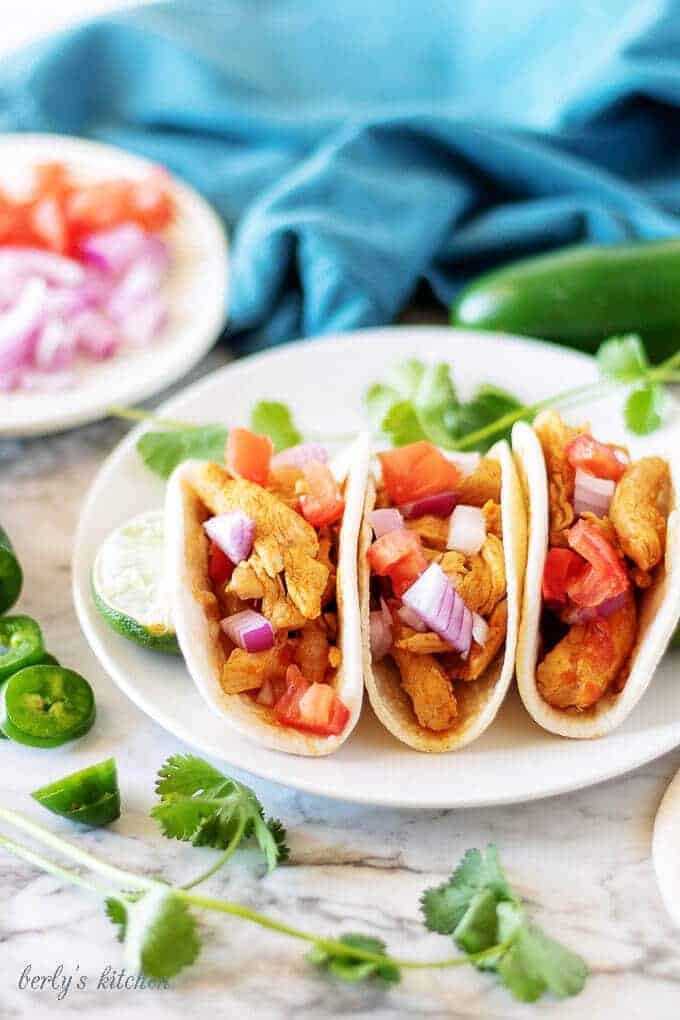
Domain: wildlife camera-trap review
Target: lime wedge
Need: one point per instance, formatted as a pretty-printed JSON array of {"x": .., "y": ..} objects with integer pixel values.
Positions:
[{"x": 128, "y": 583}]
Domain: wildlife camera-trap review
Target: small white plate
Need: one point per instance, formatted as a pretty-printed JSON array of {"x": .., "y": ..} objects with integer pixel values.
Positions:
[
  {"x": 666, "y": 849},
  {"x": 324, "y": 381},
  {"x": 196, "y": 291}
]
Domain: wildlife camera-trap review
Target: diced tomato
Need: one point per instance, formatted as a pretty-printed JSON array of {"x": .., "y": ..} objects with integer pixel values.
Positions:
[
  {"x": 322, "y": 502},
  {"x": 416, "y": 471},
  {"x": 52, "y": 179},
  {"x": 220, "y": 566},
  {"x": 606, "y": 575},
  {"x": 249, "y": 455},
  {"x": 594, "y": 457},
  {"x": 398, "y": 555},
  {"x": 315, "y": 708},
  {"x": 153, "y": 208},
  {"x": 562, "y": 567},
  {"x": 49, "y": 224}
]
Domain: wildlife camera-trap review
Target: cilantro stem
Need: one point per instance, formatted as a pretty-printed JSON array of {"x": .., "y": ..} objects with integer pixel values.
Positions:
[
  {"x": 49, "y": 866},
  {"x": 529, "y": 411},
  {"x": 223, "y": 857},
  {"x": 138, "y": 414},
  {"x": 48, "y": 838}
]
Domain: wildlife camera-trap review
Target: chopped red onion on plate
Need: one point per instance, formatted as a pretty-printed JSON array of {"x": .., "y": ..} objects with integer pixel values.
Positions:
[
  {"x": 302, "y": 453},
  {"x": 385, "y": 520},
  {"x": 233, "y": 532},
  {"x": 249, "y": 630},
  {"x": 592, "y": 494},
  {"x": 437, "y": 603},
  {"x": 439, "y": 505}
]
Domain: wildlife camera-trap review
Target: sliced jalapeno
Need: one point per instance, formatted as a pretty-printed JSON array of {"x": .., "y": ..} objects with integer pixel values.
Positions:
[
  {"x": 11, "y": 576},
  {"x": 21, "y": 644},
  {"x": 44, "y": 706},
  {"x": 90, "y": 796}
]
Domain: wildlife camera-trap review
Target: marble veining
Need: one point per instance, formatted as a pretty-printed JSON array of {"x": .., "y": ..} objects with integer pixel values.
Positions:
[{"x": 581, "y": 861}]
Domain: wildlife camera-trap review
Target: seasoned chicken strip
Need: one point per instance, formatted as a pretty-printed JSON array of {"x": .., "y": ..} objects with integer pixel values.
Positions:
[
  {"x": 433, "y": 531},
  {"x": 482, "y": 485},
  {"x": 429, "y": 688},
  {"x": 639, "y": 510},
  {"x": 580, "y": 668},
  {"x": 247, "y": 671},
  {"x": 479, "y": 579},
  {"x": 553, "y": 435}
]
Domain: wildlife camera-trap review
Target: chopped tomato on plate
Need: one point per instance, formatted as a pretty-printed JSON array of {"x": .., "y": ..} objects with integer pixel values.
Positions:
[
  {"x": 594, "y": 457},
  {"x": 416, "y": 471},
  {"x": 562, "y": 567},
  {"x": 220, "y": 566},
  {"x": 315, "y": 707},
  {"x": 605, "y": 576},
  {"x": 249, "y": 455},
  {"x": 398, "y": 555},
  {"x": 322, "y": 502}
]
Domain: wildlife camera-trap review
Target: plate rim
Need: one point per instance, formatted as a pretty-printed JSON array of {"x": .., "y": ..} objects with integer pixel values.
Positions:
[
  {"x": 69, "y": 419},
  {"x": 364, "y": 796}
]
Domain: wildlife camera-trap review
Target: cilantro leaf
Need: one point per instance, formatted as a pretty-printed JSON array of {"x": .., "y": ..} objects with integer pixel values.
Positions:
[
  {"x": 117, "y": 914},
  {"x": 535, "y": 963},
  {"x": 354, "y": 969},
  {"x": 487, "y": 404},
  {"x": 160, "y": 934},
  {"x": 406, "y": 377},
  {"x": 274, "y": 419},
  {"x": 435, "y": 401},
  {"x": 644, "y": 409},
  {"x": 401, "y": 424},
  {"x": 445, "y": 906},
  {"x": 202, "y": 806},
  {"x": 163, "y": 450},
  {"x": 622, "y": 358}
]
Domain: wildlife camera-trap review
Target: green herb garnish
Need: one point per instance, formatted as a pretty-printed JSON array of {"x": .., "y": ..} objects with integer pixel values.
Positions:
[
  {"x": 273, "y": 419},
  {"x": 155, "y": 924}
]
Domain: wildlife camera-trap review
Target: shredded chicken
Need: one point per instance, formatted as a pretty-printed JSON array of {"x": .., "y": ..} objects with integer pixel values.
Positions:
[
  {"x": 433, "y": 531},
  {"x": 554, "y": 434},
  {"x": 282, "y": 483},
  {"x": 581, "y": 667},
  {"x": 492, "y": 518},
  {"x": 639, "y": 511},
  {"x": 247, "y": 671},
  {"x": 482, "y": 485},
  {"x": 426, "y": 643},
  {"x": 312, "y": 652},
  {"x": 429, "y": 689},
  {"x": 479, "y": 579}
]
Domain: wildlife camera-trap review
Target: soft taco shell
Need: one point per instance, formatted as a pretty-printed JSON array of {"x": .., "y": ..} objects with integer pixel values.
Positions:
[
  {"x": 659, "y": 608},
  {"x": 478, "y": 700},
  {"x": 197, "y": 625}
]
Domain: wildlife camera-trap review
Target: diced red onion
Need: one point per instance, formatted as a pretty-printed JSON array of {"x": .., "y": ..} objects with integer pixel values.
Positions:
[
  {"x": 18, "y": 326},
  {"x": 439, "y": 505},
  {"x": 411, "y": 619},
  {"x": 115, "y": 249},
  {"x": 380, "y": 624},
  {"x": 249, "y": 630},
  {"x": 297, "y": 456},
  {"x": 592, "y": 494},
  {"x": 145, "y": 321},
  {"x": 467, "y": 530},
  {"x": 141, "y": 280},
  {"x": 436, "y": 602},
  {"x": 20, "y": 263},
  {"x": 385, "y": 520},
  {"x": 233, "y": 532},
  {"x": 55, "y": 347},
  {"x": 480, "y": 629},
  {"x": 466, "y": 463},
  {"x": 96, "y": 334}
]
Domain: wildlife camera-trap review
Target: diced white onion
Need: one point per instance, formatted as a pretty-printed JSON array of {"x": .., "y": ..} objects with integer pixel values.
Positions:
[
  {"x": 467, "y": 530},
  {"x": 592, "y": 494}
]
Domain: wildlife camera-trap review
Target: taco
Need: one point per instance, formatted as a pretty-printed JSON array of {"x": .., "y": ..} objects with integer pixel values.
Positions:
[
  {"x": 442, "y": 556},
  {"x": 261, "y": 561},
  {"x": 602, "y": 589}
]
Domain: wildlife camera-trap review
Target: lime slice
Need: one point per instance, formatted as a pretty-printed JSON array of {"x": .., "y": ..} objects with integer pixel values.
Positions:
[{"x": 128, "y": 583}]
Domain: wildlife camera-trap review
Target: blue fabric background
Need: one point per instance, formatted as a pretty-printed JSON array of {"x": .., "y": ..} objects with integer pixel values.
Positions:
[{"x": 357, "y": 147}]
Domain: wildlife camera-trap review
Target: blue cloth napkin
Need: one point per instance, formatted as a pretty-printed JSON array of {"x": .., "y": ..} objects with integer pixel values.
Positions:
[{"x": 355, "y": 149}]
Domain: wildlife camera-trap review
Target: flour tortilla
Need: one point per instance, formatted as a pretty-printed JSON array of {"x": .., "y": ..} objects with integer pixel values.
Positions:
[
  {"x": 198, "y": 628},
  {"x": 478, "y": 700},
  {"x": 659, "y": 609}
]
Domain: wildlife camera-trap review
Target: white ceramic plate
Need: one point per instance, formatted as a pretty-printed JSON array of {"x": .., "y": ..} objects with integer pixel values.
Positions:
[
  {"x": 665, "y": 846},
  {"x": 196, "y": 291},
  {"x": 323, "y": 380}
]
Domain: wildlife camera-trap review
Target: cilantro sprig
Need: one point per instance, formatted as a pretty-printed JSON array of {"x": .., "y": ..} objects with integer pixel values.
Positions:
[
  {"x": 418, "y": 401},
  {"x": 197, "y": 803}
]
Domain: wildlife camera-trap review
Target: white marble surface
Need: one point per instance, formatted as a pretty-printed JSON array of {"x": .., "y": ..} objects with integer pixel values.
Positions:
[{"x": 581, "y": 861}]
